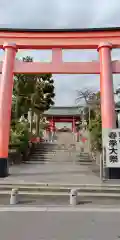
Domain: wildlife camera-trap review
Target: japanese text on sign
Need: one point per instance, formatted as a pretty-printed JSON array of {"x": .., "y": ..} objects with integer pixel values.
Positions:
[{"x": 113, "y": 149}]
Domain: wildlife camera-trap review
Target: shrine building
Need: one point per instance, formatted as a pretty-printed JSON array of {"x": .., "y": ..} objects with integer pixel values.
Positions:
[{"x": 63, "y": 117}]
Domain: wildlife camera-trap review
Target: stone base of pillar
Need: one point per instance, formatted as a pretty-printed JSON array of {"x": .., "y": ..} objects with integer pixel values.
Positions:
[
  {"x": 114, "y": 173},
  {"x": 3, "y": 167}
]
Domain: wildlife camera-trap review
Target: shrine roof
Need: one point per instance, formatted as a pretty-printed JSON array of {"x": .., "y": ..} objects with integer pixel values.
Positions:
[
  {"x": 68, "y": 110},
  {"x": 63, "y": 111}
]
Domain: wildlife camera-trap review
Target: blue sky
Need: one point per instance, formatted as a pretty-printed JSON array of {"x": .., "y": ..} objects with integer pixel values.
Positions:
[{"x": 64, "y": 14}]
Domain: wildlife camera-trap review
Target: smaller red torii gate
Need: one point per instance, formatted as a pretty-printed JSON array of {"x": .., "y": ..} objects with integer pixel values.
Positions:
[{"x": 102, "y": 40}]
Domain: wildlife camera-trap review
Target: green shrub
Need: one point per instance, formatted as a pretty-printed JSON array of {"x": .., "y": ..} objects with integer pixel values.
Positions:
[
  {"x": 96, "y": 134},
  {"x": 19, "y": 136}
]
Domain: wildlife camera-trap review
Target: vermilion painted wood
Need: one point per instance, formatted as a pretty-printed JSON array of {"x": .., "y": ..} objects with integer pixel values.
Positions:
[
  {"x": 65, "y": 68},
  {"x": 6, "y": 85},
  {"x": 57, "y": 41},
  {"x": 106, "y": 87},
  {"x": 66, "y": 40}
]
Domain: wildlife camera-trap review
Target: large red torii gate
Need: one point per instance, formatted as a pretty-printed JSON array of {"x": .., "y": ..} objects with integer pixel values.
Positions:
[{"x": 102, "y": 40}]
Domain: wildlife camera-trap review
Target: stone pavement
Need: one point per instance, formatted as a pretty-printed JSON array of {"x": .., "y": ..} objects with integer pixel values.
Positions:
[
  {"x": 61, "y": 225},
  {"x": 53, "y": 173},
  {"x": 60, "y": 201},
  {"x": 59, "y": 171}
]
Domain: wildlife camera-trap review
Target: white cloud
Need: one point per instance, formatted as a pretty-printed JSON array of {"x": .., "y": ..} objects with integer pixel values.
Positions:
[{"x": 64, "y": 14}]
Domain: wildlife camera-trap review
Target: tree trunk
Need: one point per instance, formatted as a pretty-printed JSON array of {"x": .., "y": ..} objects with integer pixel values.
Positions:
[
  {"x": 37, "y": 124},
  {"x": 89, "y": 141},
  {"x": 31, "y": 121},
  {"x": 16, "y": 108}
]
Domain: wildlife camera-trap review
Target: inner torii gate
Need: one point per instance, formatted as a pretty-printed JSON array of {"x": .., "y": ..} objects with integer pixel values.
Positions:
[{"x": 103, "y": 40}]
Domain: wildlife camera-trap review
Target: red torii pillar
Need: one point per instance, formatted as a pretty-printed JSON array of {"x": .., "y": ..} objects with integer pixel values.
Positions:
[
  {"x": 106, "y": 87},
  {"x": 6, "y": 86},
  {"x": 107, "y": 97}
]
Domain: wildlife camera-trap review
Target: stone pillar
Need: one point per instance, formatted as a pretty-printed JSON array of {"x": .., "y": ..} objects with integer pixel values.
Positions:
[
  {"x": 38, "y": 125},
  {"x": 106, "y": 87},
  {"x": 118, "y": 119},
  {"x": 6, "y": 86},
  {"x": 30, "y": 120}
]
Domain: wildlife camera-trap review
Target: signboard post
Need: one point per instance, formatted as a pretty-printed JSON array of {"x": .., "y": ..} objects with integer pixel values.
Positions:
[{"x": 112, "y": 149}]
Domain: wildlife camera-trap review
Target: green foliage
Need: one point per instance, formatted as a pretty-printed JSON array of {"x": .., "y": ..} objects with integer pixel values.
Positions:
[
  {"x": 78, "y": 125},
  {"x": 96, "y": 133},
  {"x": 92, "y": 115},
  {"x": 19, "y": 135},
  {"x": 32, "y": 91},
  {"x": 96, "y": 124},
  {"x": 86, "y": 114}
]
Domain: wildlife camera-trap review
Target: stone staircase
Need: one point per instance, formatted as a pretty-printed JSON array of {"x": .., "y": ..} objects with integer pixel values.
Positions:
[
  {"x": 49, "y": 152},
  {"x": 64, "y": 150},
  {"x": 84, "y": 158}
]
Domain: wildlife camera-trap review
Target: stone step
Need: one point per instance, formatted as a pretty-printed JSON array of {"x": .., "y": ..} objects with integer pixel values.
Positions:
[
  {"x": 57, "y": 162},
  {"x": 57, "y": 151},
  {"x": 70, "y": 157},
  {"x": 49, "y": 162},
  {"x": 55, "y": 157},
  {"x": 54, "y": 161},
  {"x": 53, "y": 154},
  {"x": 41, "y": 146},
  {"x": 60, "y": 154},
  {"x": 61, "y": 160}
]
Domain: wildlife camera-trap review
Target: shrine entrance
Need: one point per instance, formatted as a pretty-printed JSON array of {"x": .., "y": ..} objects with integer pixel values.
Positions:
[{"x": 103, "y": 40}]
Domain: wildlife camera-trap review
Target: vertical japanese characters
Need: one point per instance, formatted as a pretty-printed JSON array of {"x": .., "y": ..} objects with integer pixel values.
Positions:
[{"x": 114, "y": 139}]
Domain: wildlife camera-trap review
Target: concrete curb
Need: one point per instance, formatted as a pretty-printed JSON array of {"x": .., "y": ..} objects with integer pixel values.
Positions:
[
  {"x": 59, "y": 209},
  {"x": 49, "y": 194},
  {"x": 59, "y": 189},
  {"x": 48, "y": 184}
]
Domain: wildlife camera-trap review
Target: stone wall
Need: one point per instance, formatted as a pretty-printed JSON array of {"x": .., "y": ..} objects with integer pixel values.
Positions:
[{"x": 16, "y": 157}]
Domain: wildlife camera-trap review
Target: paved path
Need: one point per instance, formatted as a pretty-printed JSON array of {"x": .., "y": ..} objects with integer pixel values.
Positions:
[
  {"x": 53, "y": 173},
  {"x": 57, "y": 225},
  {"x": 62, "y": 172},
  {"x": 61, "y": 201}
]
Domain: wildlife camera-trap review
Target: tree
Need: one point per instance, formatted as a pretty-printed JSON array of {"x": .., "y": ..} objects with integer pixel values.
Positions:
[
  {"x": 31, "y": 91},
  {"x": 84, "y": 94},
  {"x": 91, "y": 100},
  {"x": 96, "y": 132},
  {"x": 117, "y": 91},
  {"x": 92, "y": 115},
  {"x": 95, "y": 126},
  {"x": 19, "y": 135}
]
